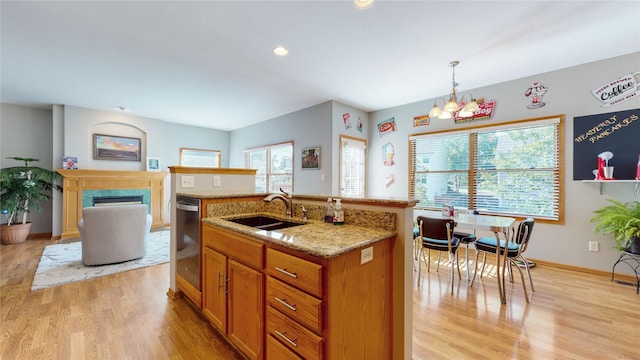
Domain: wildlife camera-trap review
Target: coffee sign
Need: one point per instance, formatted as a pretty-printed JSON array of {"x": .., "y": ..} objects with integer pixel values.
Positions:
[{"x": 619, "y": 90}]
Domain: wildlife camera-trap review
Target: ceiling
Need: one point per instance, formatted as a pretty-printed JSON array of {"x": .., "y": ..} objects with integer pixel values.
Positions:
[{"x": 210, "y": 63}]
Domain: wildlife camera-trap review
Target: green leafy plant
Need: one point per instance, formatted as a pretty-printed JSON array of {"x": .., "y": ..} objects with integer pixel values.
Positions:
[
  {"x": 622, "y": 220},
  {"x": 24, "y": 188}
]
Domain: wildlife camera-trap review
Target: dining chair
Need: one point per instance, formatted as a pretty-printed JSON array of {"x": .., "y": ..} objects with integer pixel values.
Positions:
[
  {"x": 518, "y": 243},
  {"x": 437, "y": 234},
  {"x": 466, "y": 239}
]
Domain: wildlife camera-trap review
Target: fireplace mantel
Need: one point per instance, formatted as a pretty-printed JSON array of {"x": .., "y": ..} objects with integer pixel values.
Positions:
[{"x": 77, "y": 181}]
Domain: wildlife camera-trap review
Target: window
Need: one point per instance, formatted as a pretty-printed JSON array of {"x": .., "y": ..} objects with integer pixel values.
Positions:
[
  {"x": 352, "y": 166},
  {"x": 509, "y": 169},
  {"x": 274, "y": 164},
  {"x": 199, "y": 157}
]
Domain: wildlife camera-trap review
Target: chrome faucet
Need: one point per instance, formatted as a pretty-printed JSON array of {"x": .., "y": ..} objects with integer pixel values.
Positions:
[{"x": 286, "y": 198}]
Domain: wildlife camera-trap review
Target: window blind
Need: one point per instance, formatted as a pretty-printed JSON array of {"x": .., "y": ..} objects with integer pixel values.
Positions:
[
  {"x": 511, "y": 169},
  {"x": 274, "y": 165},
  {"x": 352, "y": 167}
]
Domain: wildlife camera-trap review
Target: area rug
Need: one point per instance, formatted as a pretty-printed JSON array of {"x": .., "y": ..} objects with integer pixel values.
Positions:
[{"x": 62, "y": 263}]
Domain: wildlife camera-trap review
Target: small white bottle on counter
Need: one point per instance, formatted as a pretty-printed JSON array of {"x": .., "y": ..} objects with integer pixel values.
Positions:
[
  {"x": 338, "y": 216},
  {"x": 328, "y": 211}
]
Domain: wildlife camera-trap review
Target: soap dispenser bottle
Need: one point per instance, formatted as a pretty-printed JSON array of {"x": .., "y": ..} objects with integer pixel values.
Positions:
[
  {"x": 328, "y": 211},
  {"x": 338, "y": 217}
]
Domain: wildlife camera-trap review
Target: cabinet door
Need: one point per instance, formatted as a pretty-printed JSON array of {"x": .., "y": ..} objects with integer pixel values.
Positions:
[
  {"x": 215, "y": 288},
  {"x": 246, "y": 314}
]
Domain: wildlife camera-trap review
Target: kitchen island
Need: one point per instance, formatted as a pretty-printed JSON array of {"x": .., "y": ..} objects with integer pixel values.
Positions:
[{"x": 346, "y": 302}]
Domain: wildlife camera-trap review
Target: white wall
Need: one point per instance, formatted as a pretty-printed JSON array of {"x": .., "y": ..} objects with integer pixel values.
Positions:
[
  {"x": 159, "y": 138},
  {"x": 569, "y": 93},
  {"x": 27, "y": 132},
  {"x": 67, "y": 130},
  {"x": 339, "y": 127},
  {"x": 310, "y": 127},
  {"x": 177, "y": 136}
]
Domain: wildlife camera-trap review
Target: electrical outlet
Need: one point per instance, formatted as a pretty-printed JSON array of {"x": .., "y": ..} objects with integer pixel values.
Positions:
[
  {"x": 593, "y": 246},
  {"x": 216, "y": 181},
  {"x": 187, "y": 181},
  {"x": 366, "y": 255}
]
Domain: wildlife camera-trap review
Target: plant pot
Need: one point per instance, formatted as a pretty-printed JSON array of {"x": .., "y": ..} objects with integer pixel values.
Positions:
[
  {"x": 634, "y": 248},
  {"x": 14, "y": 234}
]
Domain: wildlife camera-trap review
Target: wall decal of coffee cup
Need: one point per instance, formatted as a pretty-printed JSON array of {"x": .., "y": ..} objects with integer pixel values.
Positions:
[
  {"x": 621, "y": 89},
  {"x": 608, "y": 172},
  {"x": 535, "y": 93}
]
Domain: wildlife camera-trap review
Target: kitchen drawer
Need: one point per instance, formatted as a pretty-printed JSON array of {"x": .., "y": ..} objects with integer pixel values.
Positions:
[
  {"x": 294, "y": 303},
  {"x": 294, "y": 336},
  {"x": 303, "y": 274},
  {"x": 249, "y": 252},
  {"x": 277, "y": 351}
]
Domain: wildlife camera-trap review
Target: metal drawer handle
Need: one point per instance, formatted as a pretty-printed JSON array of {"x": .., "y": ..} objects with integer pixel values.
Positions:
[
  {"x": 225, "y": 284},
  {"x": 287, "y": 273},
  {"x": 284, "y": 302},
  {"x": 219, "y": 285},
  {"x": 282, "y": 335}
]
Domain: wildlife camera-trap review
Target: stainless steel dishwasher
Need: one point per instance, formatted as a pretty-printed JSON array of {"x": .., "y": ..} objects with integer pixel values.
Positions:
[{"x": 188, "y": 215}]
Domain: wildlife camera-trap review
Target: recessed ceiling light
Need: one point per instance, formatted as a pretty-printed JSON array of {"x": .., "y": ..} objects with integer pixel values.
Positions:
[
  {"x": 362, "y": 4},
  {"x": 280, "y": 50}
]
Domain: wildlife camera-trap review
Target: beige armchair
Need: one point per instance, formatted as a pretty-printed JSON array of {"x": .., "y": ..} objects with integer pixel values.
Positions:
[{"x": 115, "y": 233}]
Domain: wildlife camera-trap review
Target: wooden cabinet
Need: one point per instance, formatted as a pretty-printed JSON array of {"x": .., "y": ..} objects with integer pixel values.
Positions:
[
  {"x": 337, "y": 308},
  {"x": 214, "y": 270},
  {"x": 275, "y": 303},
  {"x": 233, "y": 288},
  {"x": 294, "y": 304},
  {"x": 277, "y": 351},
  {"x": 245, "y": 305}
]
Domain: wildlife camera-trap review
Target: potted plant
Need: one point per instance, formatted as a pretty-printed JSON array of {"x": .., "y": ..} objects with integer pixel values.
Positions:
[
  {"x": 623, "y": 222},
  {"x": 23, "y": 189}
]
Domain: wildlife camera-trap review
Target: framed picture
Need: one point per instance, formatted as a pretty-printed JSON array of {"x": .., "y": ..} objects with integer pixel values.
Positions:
[
  {"x": 153, "y": 163},
  {"x": 70, "y": 163},
  {"x": 311, "y": 158},
  {"x": 110, "y": 147}
]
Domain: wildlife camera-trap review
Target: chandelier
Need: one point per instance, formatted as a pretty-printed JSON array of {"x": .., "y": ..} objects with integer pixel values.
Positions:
[{"x": 451, "y": 107}]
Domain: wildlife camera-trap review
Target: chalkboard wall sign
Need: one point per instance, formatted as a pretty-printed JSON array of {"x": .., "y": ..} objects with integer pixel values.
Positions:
[{"x": 618, "y": 132}]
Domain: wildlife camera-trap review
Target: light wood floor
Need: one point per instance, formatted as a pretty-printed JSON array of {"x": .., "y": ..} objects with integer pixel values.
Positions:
[
  {"x": 128, "y": 316},
  {"x": 123, "y": 316},
  {"x": 572, "y": 315}
]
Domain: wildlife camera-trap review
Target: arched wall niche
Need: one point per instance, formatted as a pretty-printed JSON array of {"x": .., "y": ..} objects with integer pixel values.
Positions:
[{"x": 116, "y": 128}]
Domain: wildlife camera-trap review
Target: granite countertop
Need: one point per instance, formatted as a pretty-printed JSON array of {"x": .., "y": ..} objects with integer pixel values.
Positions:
[{"x": 315, "y": 237}]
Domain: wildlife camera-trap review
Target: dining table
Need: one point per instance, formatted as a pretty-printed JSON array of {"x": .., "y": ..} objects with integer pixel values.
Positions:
[{"x": 498, "y": 225}]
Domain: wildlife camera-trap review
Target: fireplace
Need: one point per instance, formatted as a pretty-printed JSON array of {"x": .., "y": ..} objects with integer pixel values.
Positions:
[
  {"x": 116, "y": 197},
  {"x": 83, "y": 185},
  {"x": 117, "y": 200}
]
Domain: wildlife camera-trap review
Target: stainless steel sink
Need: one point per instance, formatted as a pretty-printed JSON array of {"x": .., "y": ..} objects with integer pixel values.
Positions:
[{"x": 265, "y": 222}]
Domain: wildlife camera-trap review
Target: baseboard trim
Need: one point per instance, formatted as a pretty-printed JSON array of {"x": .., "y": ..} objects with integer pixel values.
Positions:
[
  {"x": 40, "y": 236},
  {"x": 174, "y": 294},
  {"x": 623, "y": 277}
]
